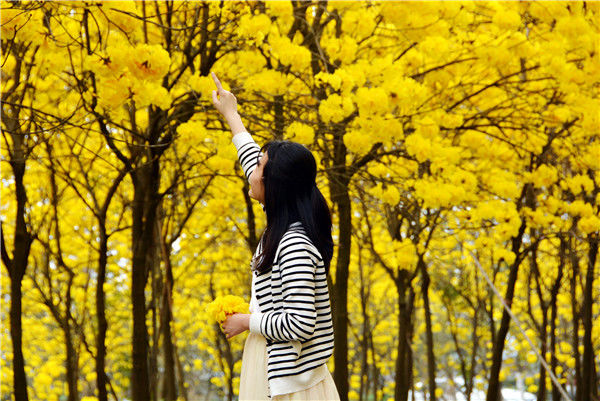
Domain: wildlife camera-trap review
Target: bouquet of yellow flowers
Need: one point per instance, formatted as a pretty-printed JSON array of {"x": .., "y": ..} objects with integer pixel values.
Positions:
[{"x": 222, "y": 306}]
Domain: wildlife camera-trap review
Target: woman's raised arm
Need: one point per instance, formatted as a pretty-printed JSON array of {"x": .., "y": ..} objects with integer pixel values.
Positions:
[
  {"x": 247, "y": 149},
  {"x": 227, "y": 106}
]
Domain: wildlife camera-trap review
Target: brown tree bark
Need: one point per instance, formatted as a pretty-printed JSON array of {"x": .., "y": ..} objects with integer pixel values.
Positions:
[
  {"x": 101, "y": 309},
  {"x": 366, "y": 328},
  {"x": 16, "y": 267},
  {"x": 16, "y": 330},
  {"x": 340, "y": 303},
  {"x": 428, "y": 330},
  {"x": 72, "y": 361},
  {"x": 145, "y": 181},
  {"x": 554, "y": 310},
  {"x": 575, "y": 312},
  {"x": 155, "y": 311},
  {"x": 16, "y": 264},
  {"x": 542, "y": 327},
  {"x": 169, "y": 385},
  {"x": 493, "y": 393},
  {"x": 402, "y": 374},
  {"x": 589, "y": 382},
  {"x": 227, "y": 354}
]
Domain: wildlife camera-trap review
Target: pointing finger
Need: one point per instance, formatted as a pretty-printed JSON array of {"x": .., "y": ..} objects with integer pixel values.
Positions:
[
  {"x": 214, "y": 96},
  {"x": 217, "y": 82}
]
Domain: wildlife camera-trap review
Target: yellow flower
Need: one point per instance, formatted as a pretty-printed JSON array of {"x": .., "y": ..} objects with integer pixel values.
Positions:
[
  {"x": 434, "y": 46},
  {"x": 254, "y": 28},
  {"x": 572, "y": 27},
  {"x": 427, "y": 128},
  {"x": 221, "y": 306},
  {"x": 391, "y": 195},
  {"x": 545, "y": 176},
  {"x": 120, "y": 14},
  {"x": 557, "y": 115},
  {"x": 474, "y": 139},
  {"x": 589, "y": 224},
  {"x": 371, "y": 101},
  {"x": 149, "y": 61},
  {"x": 418, "y": 146},
  {"x": 268, "y": 81},
  {"x": 579, "y": 183},
  {"x": 507, "y": 19},
  {"x": 356, "y": 141},
  {"x": 288, "y": 53},
  {"x": 301, "y": 132},
  {"x": 203, "y": 85},
  {"x": 335, "y": 108}
]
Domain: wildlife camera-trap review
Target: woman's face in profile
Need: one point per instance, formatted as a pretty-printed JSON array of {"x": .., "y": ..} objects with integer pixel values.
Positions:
[{"x": 257, "y": 188}]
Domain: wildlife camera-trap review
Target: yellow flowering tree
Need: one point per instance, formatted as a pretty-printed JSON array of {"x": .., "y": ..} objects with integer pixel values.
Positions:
[{"x": 443, "y": 131}]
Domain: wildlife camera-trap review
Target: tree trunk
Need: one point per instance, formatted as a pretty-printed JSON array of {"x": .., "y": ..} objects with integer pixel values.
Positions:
[
  {"x": 374, "y": 367},
  {"x": 145, "y": 180},
  {"x": 16, "y": 269},
  {"x": 589, "y": 382},
  {"x": 429, "y": 332},
  {"x": 493, "y": 393},
  {"x": 171, "y": 355},
  {"x": 338, "y": 183},
  {"x": 16, "y": 333},
  {"x": 541, "y": 395},
  {"x": 473, "y": 368},
  {"x": 101, "y": 315},
  {"x": 411, "y": 332},
  {"x": 402, "y": 359},
  {"x": 181, "y": 376},
  {"x": 553, "y": 313},
  {"x": 340, "y": 305},
  {"x": 228, "y": 355},
  {"x": 156, "y": 285},
  {"x": 364, "y": 362},
  {"x": 575, "y": 313},
  {"x": 71, "y": 362},
  {"x": 169, "y": 389}
]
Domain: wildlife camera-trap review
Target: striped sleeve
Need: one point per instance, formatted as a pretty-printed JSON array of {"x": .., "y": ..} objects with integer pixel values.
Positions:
[
  {"x": 247, "y": 150},
  {"x": 298, "y": 318}
]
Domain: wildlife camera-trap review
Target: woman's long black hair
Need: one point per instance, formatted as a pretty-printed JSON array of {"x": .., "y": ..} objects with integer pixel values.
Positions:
[{"x": 291, "y": 195}]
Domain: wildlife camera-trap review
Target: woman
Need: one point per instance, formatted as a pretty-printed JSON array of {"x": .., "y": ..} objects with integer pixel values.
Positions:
[{"x": 290, "y": 327}]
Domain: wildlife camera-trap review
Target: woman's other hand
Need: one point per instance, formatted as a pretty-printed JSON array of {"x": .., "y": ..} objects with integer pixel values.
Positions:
[
  {"x": 236, "y": 323},
  {"x": 227, "y": 103}
]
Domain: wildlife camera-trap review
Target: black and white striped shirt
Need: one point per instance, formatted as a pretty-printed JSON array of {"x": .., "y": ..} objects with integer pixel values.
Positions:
[{"x": 294, "y": 312}]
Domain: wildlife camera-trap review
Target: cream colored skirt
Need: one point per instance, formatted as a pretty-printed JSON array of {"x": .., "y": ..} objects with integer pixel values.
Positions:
[{"x": 254, "y": 384}]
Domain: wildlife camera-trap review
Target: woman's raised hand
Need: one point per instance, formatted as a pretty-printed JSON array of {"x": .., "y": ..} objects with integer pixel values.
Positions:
[{"x": 227, "y": 104}]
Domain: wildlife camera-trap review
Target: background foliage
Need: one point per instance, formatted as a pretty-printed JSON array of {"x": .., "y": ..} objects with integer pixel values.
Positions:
[{"x": 439, "y": 129}]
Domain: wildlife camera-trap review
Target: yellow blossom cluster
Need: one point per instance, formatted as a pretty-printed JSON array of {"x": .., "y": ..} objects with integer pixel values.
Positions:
[
  {"x": 289, "y": 53},
  {"x": 335, "y": 108},
  {"x": 136, "y": 74},
  {"x": 300, "y": 132},
  {"x": 254, "y": 28},
  {"x": 225, "y": 305}
]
